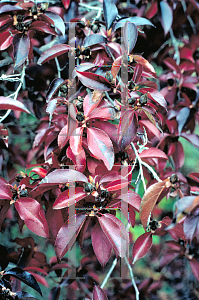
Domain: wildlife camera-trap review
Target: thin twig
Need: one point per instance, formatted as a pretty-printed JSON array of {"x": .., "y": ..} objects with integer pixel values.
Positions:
[
  {"x": 15, "y": 94},
  {"x": 140, "y": 165},
  {"x": 152, "y": 171},
  {"x": 109, "y": 273},
  {"x": 174, "y": 43},
  {"x": 132, "y": 278}
]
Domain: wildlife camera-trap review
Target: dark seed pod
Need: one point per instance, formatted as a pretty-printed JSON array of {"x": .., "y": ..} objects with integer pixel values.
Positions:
[
  {"x": 80, "y": 117},
  {"x": 88, "y": 188},
  {"x": 18, "y": 178},
  {"x": 20, "y": 26},
  {"x": 24, "y": 193},
  {"x": 109, "y": 76},
  {"x": 79, "y": 106},
  {"x": 131, "y": 101},
  {"x": 77, "y": 52},
  {"x": 19, "y": 18},
  {"x": 196, "y": 55},
  {"x": 81, "y": 24},
  {"x": 63, "y": 89},
  {"x": 95, "y": 27},
  {"x": 153, "y": 225},
  {"x": 170, "y": 82},
  {"x": 143, "y": 99},
  {"x": 174, "y": 178},
  {"x": 131, "y": 85},
  {"x": 34, "y": 10},
  {"x": 104, "y": 193},
  {"x": 86, "y": 52}
]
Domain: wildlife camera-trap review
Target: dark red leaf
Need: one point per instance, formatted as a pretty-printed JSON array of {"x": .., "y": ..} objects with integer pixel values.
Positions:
[
  {"x": 8, "y": 103},
  {"x": 53, "y": 88},
  {"x": 192, "y": 138},
  {"x": 153, "y": 153},
  {"x": 25, "y": 277},
  {"x": 110, "y": 12},
  {"x": 117, "y": 184},
  {"x": 56, "y": 20},
  {"x": 98, "y": 293},
  {"x": 101, "y": 245},
  {"x": 67, "y": 198},
  {"x": 94, "y": 81},
  {"x": 21, "y": 47},
  {"x": 158, "y": 97},
  {"x": 6, "y": 39},
  {"x": 166, "y": 16},
  {"x": 42, "y": 27},
  {"x": 153, "y": 194},
  {"x": 94, "y": 39},
  {"x": 5, "y": 191},
  {"x": 66, "y": 3},
  {"x": 133, "y": 199},
  {"x": 115, "y": 231},
  {"x": 53, "y": 52},
  {"x": 64, "y": 176},
  {"x": 195, "y": 267},
  {"x": 142, "y": 246},
  {"x": 130, "y": 36},
  {"x": 101, "y": 146},
  {"x": 182, "y": 118},
  {"x": 91, "y": 101},
  {"x": 33, "y": 215},
  {"x": 66, "y": 233}
]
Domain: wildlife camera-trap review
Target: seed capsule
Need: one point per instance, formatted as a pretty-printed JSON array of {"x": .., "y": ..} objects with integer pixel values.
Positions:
[
  {"x": 88, "y": 188},
  {"x": 174, "y": 178},
  {"x": 143, "y": 99},
  {"x": 80, "y": 117}
]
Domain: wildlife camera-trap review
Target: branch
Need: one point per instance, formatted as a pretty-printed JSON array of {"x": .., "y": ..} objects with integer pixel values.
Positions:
[
  {"x": 109, "y": 273},
  {"x": 132, "y": 278},
  {"x": 15, "y": 94}
]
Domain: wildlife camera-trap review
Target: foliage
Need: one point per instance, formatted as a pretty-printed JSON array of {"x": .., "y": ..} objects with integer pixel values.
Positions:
[{"x": 91, "y": 144}]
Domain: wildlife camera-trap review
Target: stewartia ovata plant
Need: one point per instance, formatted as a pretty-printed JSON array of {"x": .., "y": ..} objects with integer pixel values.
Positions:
[{"x": 105, "y": 151}]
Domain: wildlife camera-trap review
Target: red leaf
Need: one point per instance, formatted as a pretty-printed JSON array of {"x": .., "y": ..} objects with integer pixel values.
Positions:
[
  {"x": 101, "y": 245},
  {"x": 94, "y": 81},
  {"x": 166, "y": 16},
  {"x": 43, "y": 27},
  {"x": 39, "y": 279},
  {"x": 67, "y": 198},
  {"x": 39, "y": 171},
  {"x": 99, "y": 294},
  {"x": 130, "y": 36},
  {"x": 64, "y": 176},
  {"x": 167, "y": 258},
  {"x": 53, "y": 52},
  {"x": 21, "y": 47},
  {"x": 116, "y": 233},
  {"x": 55, "y": 84},
  {"x": 5, "y": 191},
  {"x": 66, "y": 233},
  {"x": 142, "y": 246},
  {"x": 133, "y": 199},
  {"x": 32, "y": 213},
  {"x": 170, "y": 62},
  {"x": 5, "y": 40},
  {"x": 56, "y": 216},
  {"x": 8, "y": 103},
  {"x": 101, "y": 146},
  {"x": 153, "y": 153},
  {"x": 116, "y": 66},
  {"x": 117, "y": 185},
  {"x": 157, "y": 97},
  {"x": 91, "y": 101},
  {"x": 152, "y": 195},
  {"x": 66, "y": 3},
  {"x": 195, "y": 267},
  {"x": 146, "y": 65},
  {"x": 76, "y": 140},
  {"x": 56, "y": 20}
]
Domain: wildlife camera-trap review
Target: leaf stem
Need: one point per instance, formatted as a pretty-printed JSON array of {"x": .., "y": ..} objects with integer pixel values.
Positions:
[
  {"x": 109, "y": 273},
  {"x": 132, "y": 278}
]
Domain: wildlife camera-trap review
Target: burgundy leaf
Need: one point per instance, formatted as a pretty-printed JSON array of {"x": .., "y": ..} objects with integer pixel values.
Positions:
[
  {"x": 68, "y": 198},
  {"x": 99, "y": 294},
  {"x": 117, "y": 185},
  {"x": 167, "y": 258},
  {"x": 64, "y": 176},
  {"x": 82, "y": 67},
  {"x": 91, "y": 101},
  {"x": 56, "y": 21},
  {"x": 153, "y": 194},
  {"x": 101, "y": 146},
  {"x": 116, "y": 233},
  {"x": 8, "y": 8},
  {"x": 166, "y": 16},
  {"x": 53, "y": 88},
  {"x": 5, "y": 191},
  {"x": 142, "y": 246},
  {"x": 8, "y": 103},
  {"x": 182, "y": 118},
  {"x": 94, "y": 81},
  {"x": 192, "y": 138},
  {"x": 66, "y": 233},
  {"x": 110, "y": 12},
  {"x": 127, "y": 129},
  {"x": 33, "y": 215},
  {"x": 42, "y": 27},
  {"x": 94, "y": 39},
  {"x": 191, "y": 226},
  {"x": 153, "y": 153},
  {"x": 101, "y": 245},
  {"x": 6, "y": 39},
  {"x": 157, "y": 97},
  {"x": 53, "y": 52},
  {"x": 76, "y": 140},
  {"x": 130, "y": 36},
  {"x": 66, "y": 3},
  {"x": 195, "y": 267},
  {"x": 56, "y": 216},
  {"x": 21, "y": 47},
  {"x": 133, "y": 199}
]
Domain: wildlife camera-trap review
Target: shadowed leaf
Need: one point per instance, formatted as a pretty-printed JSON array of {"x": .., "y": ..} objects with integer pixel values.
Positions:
[
  {"x": 21, "y": 47},
  {"x": 142, "y": 246},
  {"x": 110, "y": 12},
  {"x": 8, "y": 103}
]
